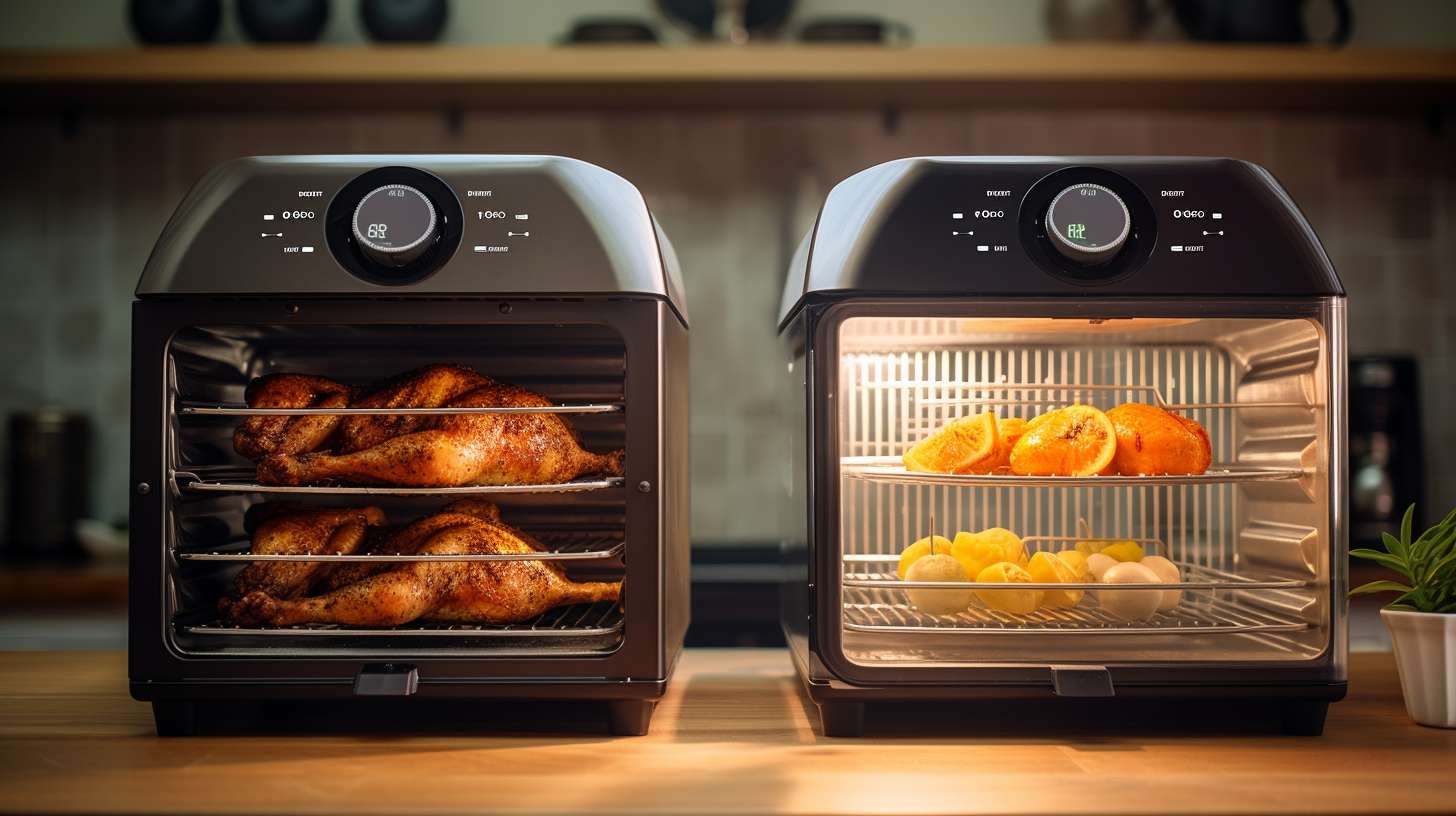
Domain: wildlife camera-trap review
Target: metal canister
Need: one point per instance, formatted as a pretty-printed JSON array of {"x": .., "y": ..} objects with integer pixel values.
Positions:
[{"x": 50, "y": 473}]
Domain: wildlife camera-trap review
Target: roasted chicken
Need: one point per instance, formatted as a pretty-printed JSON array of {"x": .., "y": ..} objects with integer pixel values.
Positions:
[
  {"x": 261, "y": 436},
  {"x": 428, "y": 387},
  {"x": 459, "y": 449},
  {"x": 408, "y": 540},
  {"x": 471, "y": 592},
  {"x": 292, "y": 531}
]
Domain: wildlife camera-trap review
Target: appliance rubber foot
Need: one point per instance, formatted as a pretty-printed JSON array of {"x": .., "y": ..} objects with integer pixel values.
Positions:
[
  {"x": 1303, "y": 718},
  {"x": 629, "y": 718},
  {"x": 842, "y": 719},
  {"x": 175, "y": 718}
]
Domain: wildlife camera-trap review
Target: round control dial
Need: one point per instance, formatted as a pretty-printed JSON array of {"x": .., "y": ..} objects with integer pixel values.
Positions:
[
  {"x": 1088, "y": 223},
  {"x": 395, "y": 224}
]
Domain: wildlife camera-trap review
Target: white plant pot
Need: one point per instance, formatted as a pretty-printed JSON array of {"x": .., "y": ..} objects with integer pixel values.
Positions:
[{"x": 1425, "y": 654}]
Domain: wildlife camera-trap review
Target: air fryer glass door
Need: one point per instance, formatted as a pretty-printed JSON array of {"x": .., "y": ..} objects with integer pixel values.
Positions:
[{"x": 1256, "y": 538}]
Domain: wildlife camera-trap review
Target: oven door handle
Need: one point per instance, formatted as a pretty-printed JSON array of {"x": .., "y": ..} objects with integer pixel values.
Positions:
[
  {"x": 386, "y": 680},
  {"x": 1082, "y": 681}
]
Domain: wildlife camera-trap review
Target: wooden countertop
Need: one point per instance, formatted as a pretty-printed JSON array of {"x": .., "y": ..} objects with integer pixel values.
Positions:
[{"x": 733, "y": 736}]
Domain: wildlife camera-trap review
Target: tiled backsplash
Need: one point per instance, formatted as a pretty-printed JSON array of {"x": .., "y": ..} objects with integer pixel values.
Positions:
[{"x": 81, "y": 206}]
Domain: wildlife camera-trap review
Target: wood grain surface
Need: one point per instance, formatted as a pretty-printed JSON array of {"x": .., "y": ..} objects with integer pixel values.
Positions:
[{"x": 734, "y": 736}]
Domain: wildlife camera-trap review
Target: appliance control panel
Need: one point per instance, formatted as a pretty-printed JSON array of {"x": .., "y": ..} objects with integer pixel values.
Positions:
[{"x": 1150, "y": 226}]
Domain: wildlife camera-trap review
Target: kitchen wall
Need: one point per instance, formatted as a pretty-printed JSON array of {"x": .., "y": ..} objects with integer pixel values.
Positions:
[{"x": 80, "y": 205}]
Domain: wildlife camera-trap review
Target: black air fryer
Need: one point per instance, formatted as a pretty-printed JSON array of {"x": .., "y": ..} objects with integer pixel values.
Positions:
[
  {"x": 935, "y": 289},
  {"x": 540, "y": 271}
]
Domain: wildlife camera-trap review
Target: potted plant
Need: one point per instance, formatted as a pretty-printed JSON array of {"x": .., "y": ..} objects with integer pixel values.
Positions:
[{"x": 1422, "y": 620}]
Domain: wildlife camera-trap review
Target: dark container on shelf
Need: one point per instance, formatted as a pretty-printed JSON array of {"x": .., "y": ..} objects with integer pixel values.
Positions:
[
  {"x": 283, "y": 20},
  {"x": 174, "y": 22},
  {"x": 50, "y": 453},
  {"x": 404, "y": 20}
]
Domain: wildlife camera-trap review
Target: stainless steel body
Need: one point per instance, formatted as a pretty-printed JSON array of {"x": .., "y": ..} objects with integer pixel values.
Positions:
[
  {"x": 1260, "y": 537},
  {"x": 606, "y": 344}
]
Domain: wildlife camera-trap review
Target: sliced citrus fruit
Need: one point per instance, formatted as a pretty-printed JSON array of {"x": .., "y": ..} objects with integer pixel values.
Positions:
[
  {"x": 1124, "y": 550},
  {"x": 1046, "y": 568},
  {"x": 1077, "y": 561},
  {"x": 1008, "y": 430},
  {"x": 1078, "y": 440},
  {"x": 1153, "y": 441},
  {"x": 962, "y": 443},
  {"x": 1014, "y": 601},
  {"x": 920, "y": 549}
]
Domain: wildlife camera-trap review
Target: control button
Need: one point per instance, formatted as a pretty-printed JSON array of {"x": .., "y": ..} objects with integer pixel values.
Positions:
[
  {"x": 526, "y": 234},
  {"x": 1088, "y": 223},
  {"x": 271, "y": 234},
  {"x": 395, "y": 224}
]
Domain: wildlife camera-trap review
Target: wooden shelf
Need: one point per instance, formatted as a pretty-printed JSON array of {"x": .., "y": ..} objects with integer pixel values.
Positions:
[{"x": 638, "y": 77}]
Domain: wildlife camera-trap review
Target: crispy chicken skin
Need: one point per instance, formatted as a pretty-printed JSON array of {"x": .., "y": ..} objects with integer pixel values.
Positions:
[
  {"x": 260, "y": 436},
  {"x": 407, "y": 540},
  {"x": 318, "y": 531},
  {"x": 429, "y": 387},
  {"x": 461, "y": 449},
  {"x": 473, "y": 592},
  {"x": 1152, "y": 441}
]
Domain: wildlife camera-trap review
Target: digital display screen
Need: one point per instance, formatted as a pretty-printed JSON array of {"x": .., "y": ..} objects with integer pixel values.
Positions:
[
  {"x": 1089, "y": 216},
  {"x": 395, "y": 217}
]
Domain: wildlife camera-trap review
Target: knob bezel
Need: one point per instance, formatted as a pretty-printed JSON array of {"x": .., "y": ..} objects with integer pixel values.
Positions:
[
  {"x": 1037, "y": 243},
  {"x": 1089, "y": 255},
  {"x": 407, "y": 252},
  {"x": 339, "y": 226}
]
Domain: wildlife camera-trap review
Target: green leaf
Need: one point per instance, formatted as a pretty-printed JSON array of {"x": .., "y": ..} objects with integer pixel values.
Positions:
[
  {"x": 1385, "y": 560},
  {"x": 1405, "y": 529},
  {"x": 1379, "y": 586}
]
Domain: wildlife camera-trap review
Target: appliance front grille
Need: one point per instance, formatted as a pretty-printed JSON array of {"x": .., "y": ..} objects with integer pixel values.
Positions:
[{"x": 1247, "y": 534}]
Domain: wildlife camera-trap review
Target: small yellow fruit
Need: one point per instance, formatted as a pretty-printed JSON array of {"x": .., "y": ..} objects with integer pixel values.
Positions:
[
  {"x": 1091, "y": 546},
  {"x": 1124, "y": 551},
  {"x": 1077, "y": 561},
  {"x": 919, "y": 550},
  {"x": 972, "y": 553},
  {"x": 1046, "y": 568},
  {"x": 938, "y": 601},
  {"x": 1016, "y": 602}
]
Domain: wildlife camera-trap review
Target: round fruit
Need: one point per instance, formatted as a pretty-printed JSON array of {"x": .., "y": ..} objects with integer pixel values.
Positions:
[
  {"x": 938, "y": 601},
  {"x": 1098, "y": 565},
  {"x": 976, "y": 551},
  {"x": 1016, "y": 602},
  {"x": 1124, "y": 551},
  {"x": 963, "y": 443},
  {"x": 1130, "y": 604},
  {"x": 1077, "y": 561},
  {"x": 919, "y": 550},
  {"x": 1078, "y": 440},
  {"x": 1046, "y": 568},
  {"x": 1168, "y": 573},
  {"x": 1152, "y": 441}
]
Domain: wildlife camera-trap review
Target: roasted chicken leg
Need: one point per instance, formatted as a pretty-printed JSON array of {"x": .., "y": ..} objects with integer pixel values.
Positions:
[
  {"x": 320, "y": 531},
  {"x": 261, "y": 436},
  {"x": 461, "y": 449},
  {"x": 471, "y": 592}
]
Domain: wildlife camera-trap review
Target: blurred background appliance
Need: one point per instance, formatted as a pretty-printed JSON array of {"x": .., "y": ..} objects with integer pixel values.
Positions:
[
  {"x": 169, "y": 22},
  {"x": 404, "y": 20},
  {"x": 1386, "y": 450},
  {"x": 50, "y": 493}
]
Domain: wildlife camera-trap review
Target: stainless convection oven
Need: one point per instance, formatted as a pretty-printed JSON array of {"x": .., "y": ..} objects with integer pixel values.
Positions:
[{"x": 1157, "y": 346}]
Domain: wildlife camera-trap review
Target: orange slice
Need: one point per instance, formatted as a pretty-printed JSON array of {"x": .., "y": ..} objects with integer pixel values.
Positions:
[
  {"x": 1078, "y": 440},
  {"x": 1008, "y": 430},
  {"x": 1151, "y": 440},
  {"x": 962, "y": 443}
]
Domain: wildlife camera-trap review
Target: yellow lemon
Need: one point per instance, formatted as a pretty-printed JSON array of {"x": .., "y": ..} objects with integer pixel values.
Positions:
[
  {"x": 1088, "y": 547},
  {"x": 1076, "y": 560},
  {"x": 1016, "y": 602},
  {"x": 973, "y": 554},
  {"x": 1046, "y": 568},
  {"x": 919, "y": 550},
  {"x": 1124, "y": 551},
  {"x": 938, "y": 601}
]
